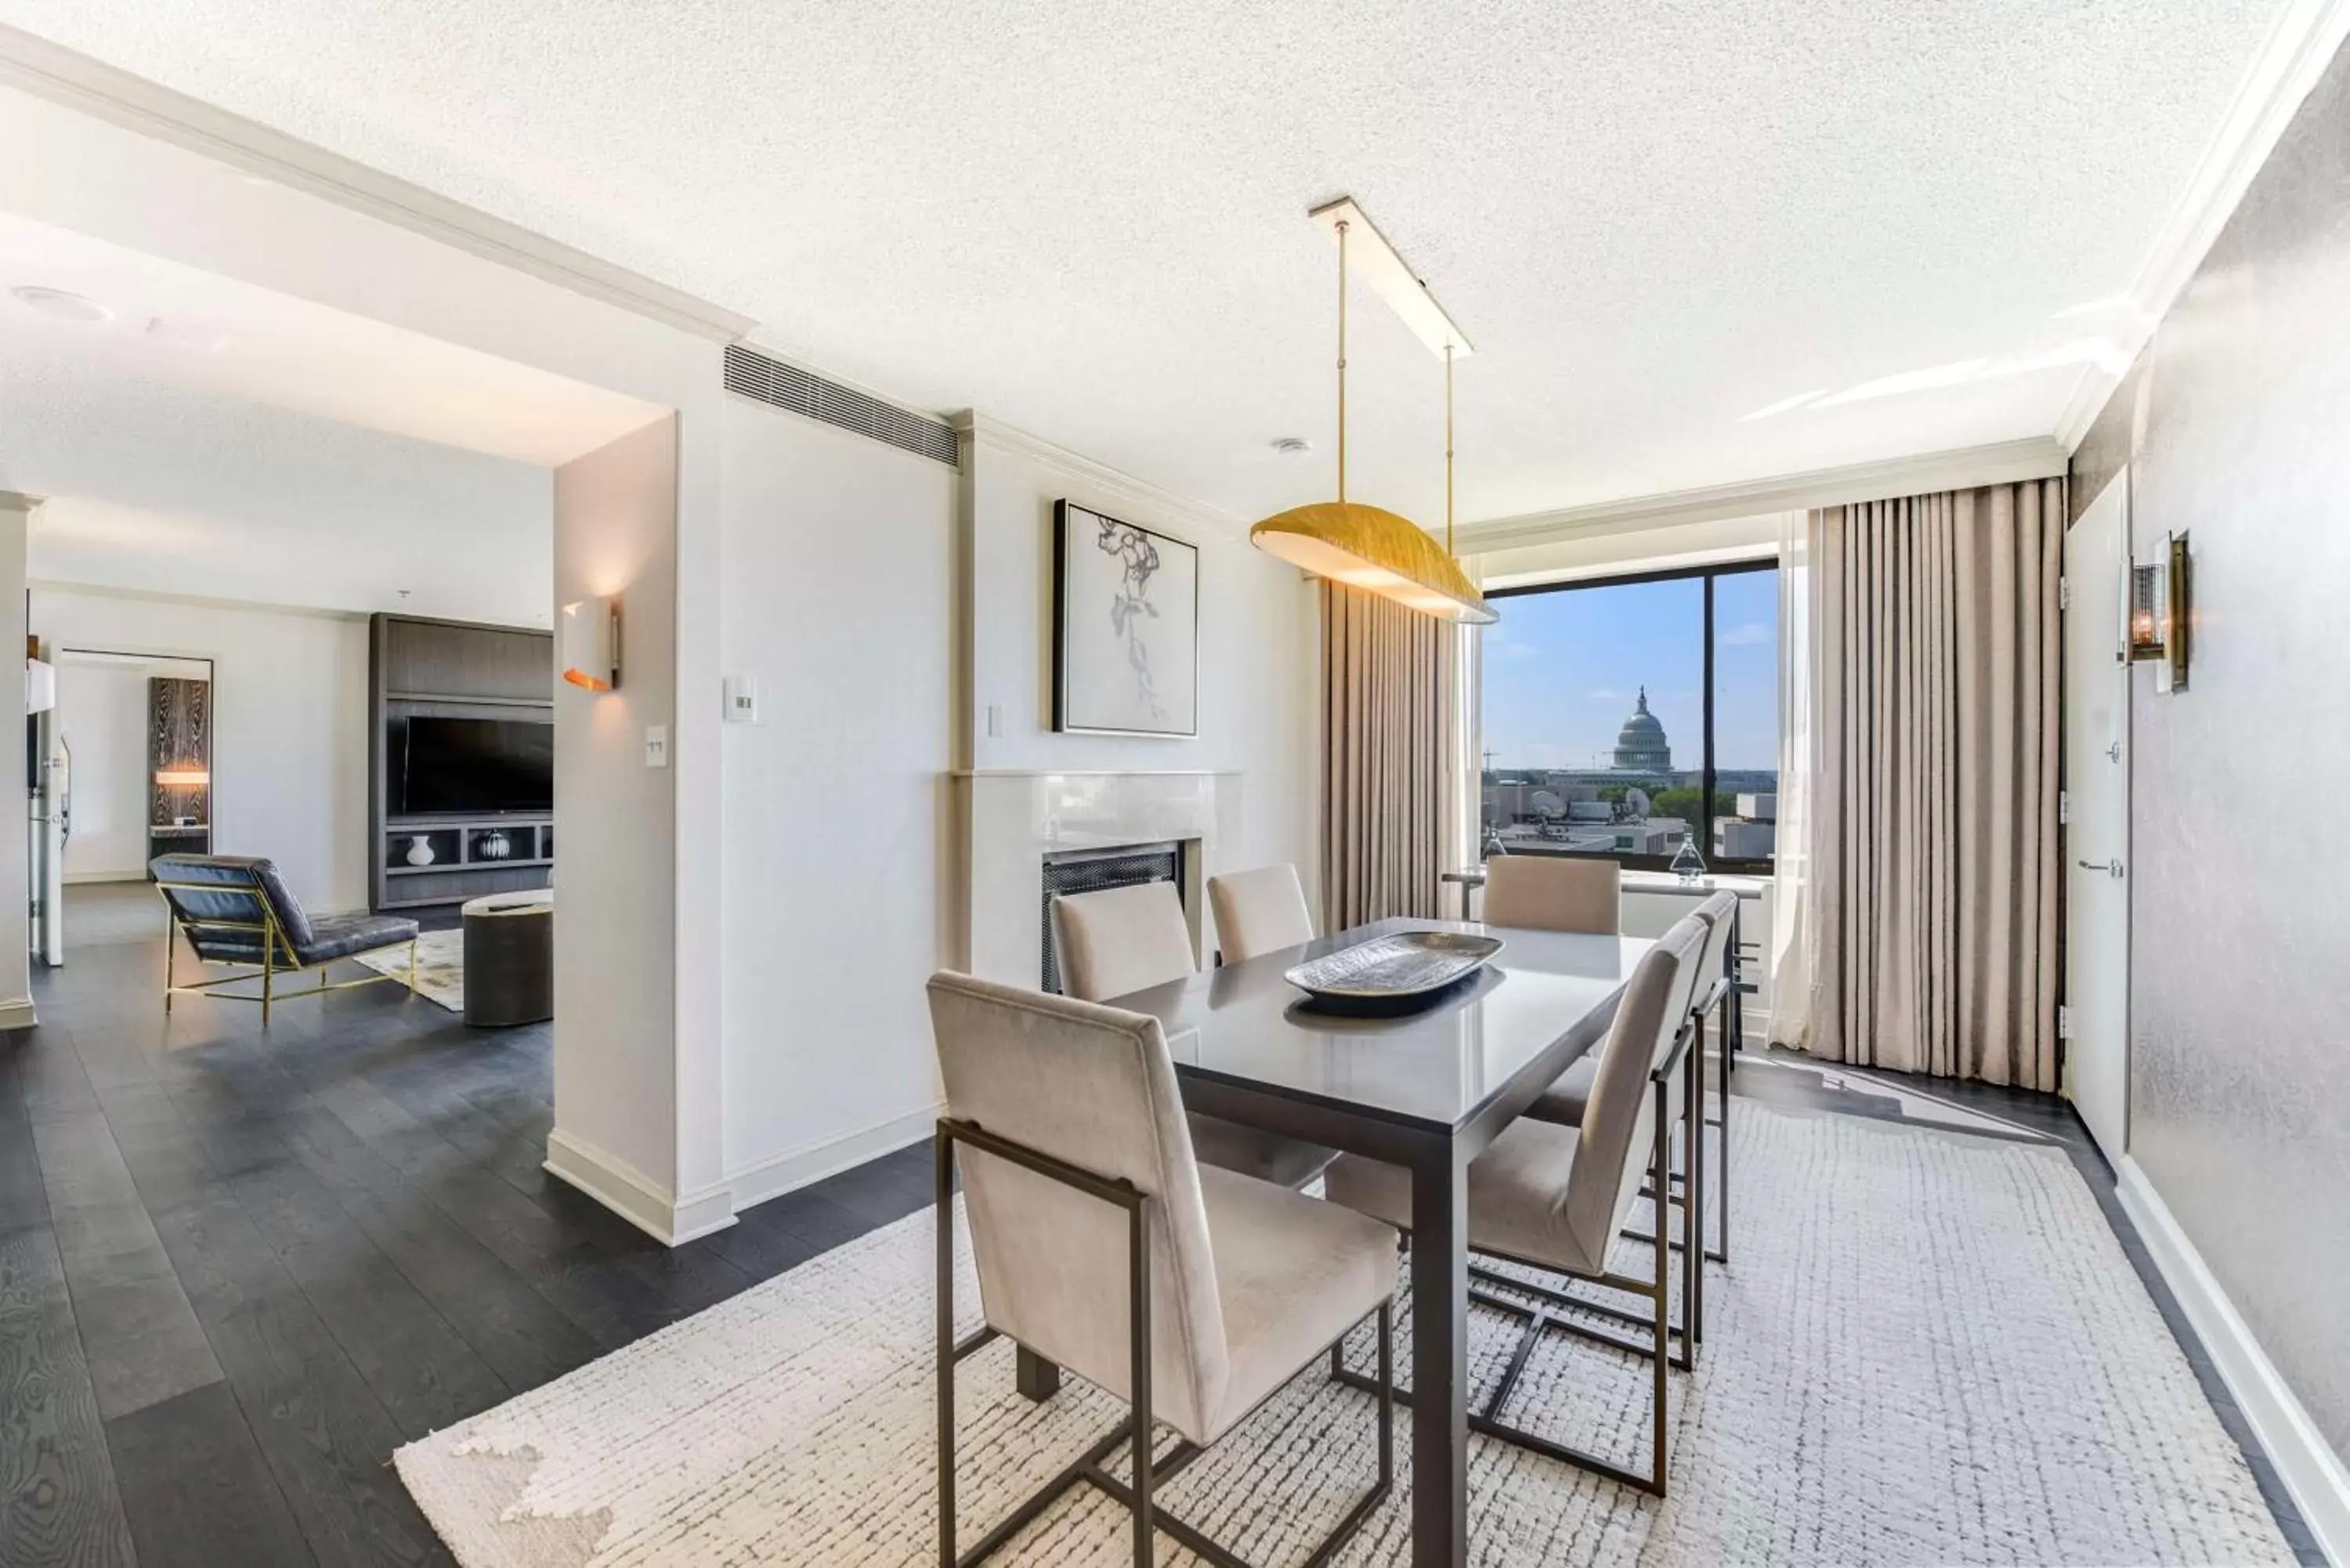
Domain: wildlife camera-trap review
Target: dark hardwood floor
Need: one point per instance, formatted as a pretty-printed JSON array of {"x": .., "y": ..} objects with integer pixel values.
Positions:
[{"x": 237, "y": 1269}]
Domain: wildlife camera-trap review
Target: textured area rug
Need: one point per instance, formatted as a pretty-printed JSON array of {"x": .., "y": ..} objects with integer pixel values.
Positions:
[
  {"x": 1930, "y": 1348},
  {"x": 439, "y": 967}
]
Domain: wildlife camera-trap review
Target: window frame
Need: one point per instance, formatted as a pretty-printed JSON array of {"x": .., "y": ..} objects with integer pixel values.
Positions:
[{"x": 1708, "y": 573}]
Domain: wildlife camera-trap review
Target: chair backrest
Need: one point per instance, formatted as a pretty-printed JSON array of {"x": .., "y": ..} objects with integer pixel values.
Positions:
[
  {"x": 210, "y": 892},
  {"x": 1122, "y": 940},
  {"x": 1720, "y": 914},
  {"x": 1619, "y": 1120},
  {"x": 1259, "y": 911},
  {"x": 1091, "y": 1086},
  {"x": 1553, "y": 893}
]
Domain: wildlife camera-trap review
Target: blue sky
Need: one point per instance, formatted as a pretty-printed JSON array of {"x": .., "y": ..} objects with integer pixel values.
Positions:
[{"x": 1562, "y": 670}]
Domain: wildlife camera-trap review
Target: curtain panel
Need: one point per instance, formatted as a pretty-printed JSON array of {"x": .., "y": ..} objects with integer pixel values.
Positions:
[
  {"x": 1932, "y": 864},
  {"x": 1392, "y": 725}
]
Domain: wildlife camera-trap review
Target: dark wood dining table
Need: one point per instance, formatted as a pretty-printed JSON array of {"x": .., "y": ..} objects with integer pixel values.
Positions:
[{"x": 1427, "y": 1090}]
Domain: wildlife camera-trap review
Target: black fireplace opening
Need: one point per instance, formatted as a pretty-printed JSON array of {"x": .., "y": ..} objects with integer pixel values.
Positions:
[{"x": 1094, "y": 870}]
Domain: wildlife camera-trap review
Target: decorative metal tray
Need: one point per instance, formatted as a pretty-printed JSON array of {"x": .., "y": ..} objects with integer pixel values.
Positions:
[{"x": 1408, "y": 963}]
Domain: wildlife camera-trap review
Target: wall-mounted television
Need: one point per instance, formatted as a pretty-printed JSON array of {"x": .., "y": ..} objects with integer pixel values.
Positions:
[{"x": 473, "y": 766}]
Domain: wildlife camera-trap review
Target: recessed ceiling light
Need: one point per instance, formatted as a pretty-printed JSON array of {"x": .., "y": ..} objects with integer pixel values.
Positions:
[
  {"x": 1291, "y": 446},
  {"x": 186, "y": 334},
  {"x": 62, "y": 303}
]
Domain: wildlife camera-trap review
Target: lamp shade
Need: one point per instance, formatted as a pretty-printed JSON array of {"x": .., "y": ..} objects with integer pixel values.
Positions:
[
  {"x": 591, "y": 644},
  {"x": 1375, "y": 550},
  {"x": 196, "y": 777}
]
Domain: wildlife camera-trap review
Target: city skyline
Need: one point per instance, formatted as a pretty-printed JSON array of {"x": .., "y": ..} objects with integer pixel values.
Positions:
[{"x": 1563, "y": 671}]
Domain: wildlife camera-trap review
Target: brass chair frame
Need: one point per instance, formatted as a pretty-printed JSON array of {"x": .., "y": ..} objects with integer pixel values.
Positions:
[{"x": 274, "y": 941}]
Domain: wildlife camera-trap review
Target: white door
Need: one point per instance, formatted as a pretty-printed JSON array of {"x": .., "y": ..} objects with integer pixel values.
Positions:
[{"x": 2096, "y": 830}]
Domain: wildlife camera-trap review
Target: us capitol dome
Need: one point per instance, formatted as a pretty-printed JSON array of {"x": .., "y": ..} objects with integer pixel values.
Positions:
[{"x": 1640, "y": 744}]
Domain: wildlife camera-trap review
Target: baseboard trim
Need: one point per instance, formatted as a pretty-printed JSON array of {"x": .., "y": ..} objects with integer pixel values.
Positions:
[
  {"x": 18, "y": 1014},
  {"x": 636, "y": 1196},
  {"x": 2312, "y": 1472},
  {"x": 795, "y": 1168}
]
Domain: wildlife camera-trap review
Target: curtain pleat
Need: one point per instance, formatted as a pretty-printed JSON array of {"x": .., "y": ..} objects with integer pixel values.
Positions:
[
  {"x": 1932, "y": 784},
  {"x": 1389, "y": 715}
]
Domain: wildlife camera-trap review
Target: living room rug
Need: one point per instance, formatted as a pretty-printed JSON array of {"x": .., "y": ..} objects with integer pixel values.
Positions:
[
  {"x": 1928, "y": 1348},
  {"x": 439, "y": 967}
]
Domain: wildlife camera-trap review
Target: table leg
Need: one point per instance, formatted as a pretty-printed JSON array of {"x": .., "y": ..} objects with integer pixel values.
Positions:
[
  {"x": 1439, "y": 1359},
  {"x": 1036, "y": 1378}
]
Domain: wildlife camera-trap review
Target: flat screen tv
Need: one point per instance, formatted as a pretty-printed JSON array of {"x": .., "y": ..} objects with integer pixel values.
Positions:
[{"x": 474, "y": 765}]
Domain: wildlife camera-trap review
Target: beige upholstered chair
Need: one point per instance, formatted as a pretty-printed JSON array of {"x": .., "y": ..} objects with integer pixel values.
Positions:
[
  {"x": 1259, "y": 911},
  {"x": 1556, "y": 1198},
  {"x": 1122, "y": 940},
  {"x": 1553, "y": 893},
  {"x": 1103, "y": 1246}
]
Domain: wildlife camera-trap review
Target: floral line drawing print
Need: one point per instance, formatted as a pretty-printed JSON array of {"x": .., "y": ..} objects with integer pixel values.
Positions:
[{"x": 1137, "y": 560}]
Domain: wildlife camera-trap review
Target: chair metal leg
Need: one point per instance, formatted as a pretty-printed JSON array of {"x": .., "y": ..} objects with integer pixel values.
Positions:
[
  {"x": 942, "y": 1156},
  {"x": 171, "y": 963},
  {"x": 1138, "y": 1314},
  {"x": 1657, "y": 1460},
  {"x": 268, "y": 977}
]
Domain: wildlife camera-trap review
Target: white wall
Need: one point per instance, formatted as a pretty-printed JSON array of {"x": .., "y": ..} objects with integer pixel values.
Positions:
[
  {"x": 615, "y": 1081},
  {"x": 838, "y": 599},
  {"x": 102, "y": 714},
  {"x": 16, "y": 868},
  {"x": 1259, "y": 648},
  {"x": 289, "y": 723}
]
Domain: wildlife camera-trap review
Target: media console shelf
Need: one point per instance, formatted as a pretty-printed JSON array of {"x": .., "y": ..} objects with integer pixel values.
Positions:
[{"x": 422, "y": 668}]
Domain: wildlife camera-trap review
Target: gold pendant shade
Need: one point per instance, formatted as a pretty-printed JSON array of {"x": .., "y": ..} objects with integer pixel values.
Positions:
[{"x": 1370, "y": 548}]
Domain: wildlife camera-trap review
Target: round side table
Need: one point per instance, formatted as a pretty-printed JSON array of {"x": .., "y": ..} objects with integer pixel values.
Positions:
[{"x": 510, "y": 959}]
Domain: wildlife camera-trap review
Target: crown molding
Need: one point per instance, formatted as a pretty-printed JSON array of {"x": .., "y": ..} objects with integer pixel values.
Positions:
[
  {"x": 2296, "y": 55},
  {"x": 60, "y": 75},
  {"x": 16, "y": 501},
  {"x": 202, "y": 601},
  {"x": 2003, "y": 463},
  {"x": 974, "y": 430}
]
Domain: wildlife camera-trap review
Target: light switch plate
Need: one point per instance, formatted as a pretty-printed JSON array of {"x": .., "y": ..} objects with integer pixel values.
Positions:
[
  {"x": 995, "y": 721},
  {"x": 656, "y": 745},
  {"x": 741, "y": 699}
]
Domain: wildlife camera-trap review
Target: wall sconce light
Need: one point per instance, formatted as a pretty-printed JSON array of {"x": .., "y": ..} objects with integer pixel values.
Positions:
[
  {"x": 182, "y": 778},
  {"x": 2160, "y": 618},
  {"x": 591, "y": 644}
]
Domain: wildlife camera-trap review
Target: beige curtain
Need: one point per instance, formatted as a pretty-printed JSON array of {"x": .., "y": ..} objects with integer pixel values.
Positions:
[
  {"x": 1390, "y": 721},
  {"x": 1933, "y": 852}
]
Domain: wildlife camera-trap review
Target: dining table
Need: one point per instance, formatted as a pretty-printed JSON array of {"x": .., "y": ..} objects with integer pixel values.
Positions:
[{"x": 1427, "y": 1088}]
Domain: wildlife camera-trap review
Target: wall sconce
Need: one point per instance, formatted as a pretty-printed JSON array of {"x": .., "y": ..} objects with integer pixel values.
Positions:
[
  {"x": 591, "y": 644},
  {"x": 182, "y": 778},
  {"x": 2160, "y": 622}
]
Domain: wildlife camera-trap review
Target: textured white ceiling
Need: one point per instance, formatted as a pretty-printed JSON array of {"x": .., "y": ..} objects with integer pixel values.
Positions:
[{"x": 1087, "y": 218}]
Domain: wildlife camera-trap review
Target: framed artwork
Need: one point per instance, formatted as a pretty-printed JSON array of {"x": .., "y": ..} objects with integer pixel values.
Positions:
[{"x": 1125, "y": 627}]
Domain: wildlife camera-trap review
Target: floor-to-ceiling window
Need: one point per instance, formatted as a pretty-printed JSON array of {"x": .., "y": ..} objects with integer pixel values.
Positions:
[{"x": 1625, "y": 716}]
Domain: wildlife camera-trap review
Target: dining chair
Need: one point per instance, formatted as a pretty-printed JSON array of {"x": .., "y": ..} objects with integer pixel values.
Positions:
[
  {"x": 1555, "y": 893},
  {"x": 1555, "y": 1199},
  {"x": 1566, "y": 1101},
  {"x": 1124, "y": 939},
  {"x": 1259, "y": 911},
  {"x": 1103, "y": 1245}
]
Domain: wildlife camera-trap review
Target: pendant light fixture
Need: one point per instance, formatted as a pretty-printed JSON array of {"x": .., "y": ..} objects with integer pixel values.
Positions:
[{"x": 1364, "y": 547}]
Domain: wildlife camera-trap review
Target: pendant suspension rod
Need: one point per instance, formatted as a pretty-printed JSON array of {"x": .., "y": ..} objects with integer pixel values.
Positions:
[
  {"x": 1342, "y": 364},
  {"x": 1448, "y": 448}
]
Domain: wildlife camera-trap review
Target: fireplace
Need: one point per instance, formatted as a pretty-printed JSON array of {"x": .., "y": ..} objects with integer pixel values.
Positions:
[{"x": 1094, "y": 870}]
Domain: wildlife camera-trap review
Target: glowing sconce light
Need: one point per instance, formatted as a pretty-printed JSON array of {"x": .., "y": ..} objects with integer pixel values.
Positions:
[
  {"x": 2161, "y": 615},
  {"x": 591, "y": 644}
]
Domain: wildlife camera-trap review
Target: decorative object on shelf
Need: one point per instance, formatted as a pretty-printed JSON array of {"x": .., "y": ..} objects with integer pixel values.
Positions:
[
  {"x": 2159, "y": 619},
  {"x": 420, "y": 851},
  {"x": 493, "y": 846},
  {"x": 1125, "y": 627},
  {"x": 1689, "y": 865},
  {"x": 182, "y": 778},
  {"x": 1365, "y": 546},
  {"x": 591, "y": 644}
]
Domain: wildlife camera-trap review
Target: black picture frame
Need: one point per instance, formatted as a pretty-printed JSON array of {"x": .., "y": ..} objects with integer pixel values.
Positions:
[{"x": 1071, "y": 713}]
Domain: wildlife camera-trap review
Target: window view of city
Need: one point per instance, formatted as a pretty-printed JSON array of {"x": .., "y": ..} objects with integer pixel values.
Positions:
[{"x": 1595, "y": 720}]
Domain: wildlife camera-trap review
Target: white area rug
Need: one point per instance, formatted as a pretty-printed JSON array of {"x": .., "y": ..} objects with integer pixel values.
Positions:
[
  {"x": 439, "y": 967},
  {"x": 1928, "y": 1349}
]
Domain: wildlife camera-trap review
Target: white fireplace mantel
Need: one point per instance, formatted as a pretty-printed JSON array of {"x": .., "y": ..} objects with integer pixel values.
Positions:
[{"x": 1008, "y": 821}]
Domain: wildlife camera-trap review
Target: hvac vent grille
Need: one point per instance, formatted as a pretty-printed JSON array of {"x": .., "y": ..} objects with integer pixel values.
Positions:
[{"x": 754, "y": 375}]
